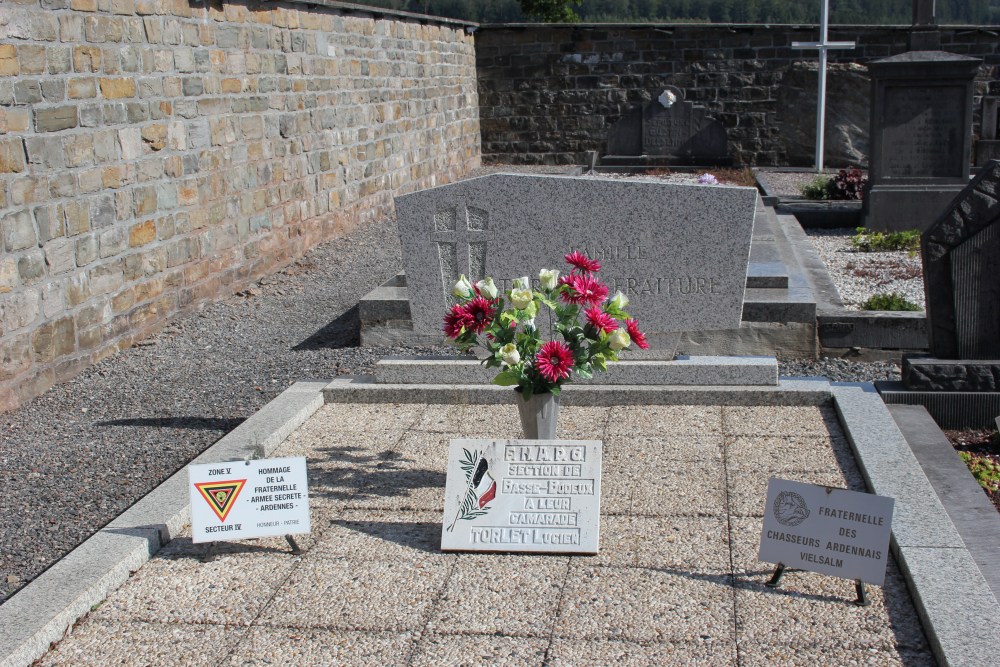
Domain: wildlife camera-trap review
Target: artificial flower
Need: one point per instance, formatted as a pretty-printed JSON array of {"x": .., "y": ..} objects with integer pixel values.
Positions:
[
  {"x": 522, "y": 283},
  {"x": 548, "y": 279},
  {"x": 509, "y": 354},
  {"x": 520, "y": 298},
  {"x": 708, "y": 179},
  {"x": 463, "y": 288},
  {"x": 601, "y": 320},
  {"x": 554, "y": 361},
  {"x": 456, "y": 321},
  {"x": 583, "y": 290},
  {"x": 619, "y": 300},
  {"x": 619, "y": 339},
  {"x": 480, "y": 313},
  {"x": 582, "y": 262},
  {"x": 637, "y": 336},
  {"x": 487, "y": 288}
]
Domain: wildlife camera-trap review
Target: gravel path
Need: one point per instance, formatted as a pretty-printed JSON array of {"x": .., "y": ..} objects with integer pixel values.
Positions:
[
  {"x": 77, "y": 456},
  {"x": 859, "y": 275}
]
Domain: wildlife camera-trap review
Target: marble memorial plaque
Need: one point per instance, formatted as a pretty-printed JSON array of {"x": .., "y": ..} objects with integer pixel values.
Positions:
[
  {"x": 832, "y": 531},
  {"x": 523, "y": 495},
  {"x": 679, "y": 252}
]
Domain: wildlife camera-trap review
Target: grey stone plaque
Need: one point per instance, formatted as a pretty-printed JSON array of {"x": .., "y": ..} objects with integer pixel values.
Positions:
[
  {"x": 523, "y": 495},
  {"x": 682, "y": 129},
  {"x": 961, "y": 259},
  {"x": 679, "y": 252},
  {"x": 833, "y": 531}
]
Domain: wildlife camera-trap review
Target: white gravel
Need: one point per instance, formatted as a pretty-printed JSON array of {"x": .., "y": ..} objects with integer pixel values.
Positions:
[{"x": 859, "y": 275}]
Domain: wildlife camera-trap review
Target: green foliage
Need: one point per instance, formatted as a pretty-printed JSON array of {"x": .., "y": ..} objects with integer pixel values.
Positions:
[
  {"x": 868, "y": 241},
  {"x": 892, "y": 301},
  {"x": 551, "y": 11},
  {"x": 817, "y": 188},
  {"x": 985, "y": 470}
]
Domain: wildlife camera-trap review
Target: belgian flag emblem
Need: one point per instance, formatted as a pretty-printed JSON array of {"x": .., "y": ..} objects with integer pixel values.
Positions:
[{"x": 221, "y": 496}]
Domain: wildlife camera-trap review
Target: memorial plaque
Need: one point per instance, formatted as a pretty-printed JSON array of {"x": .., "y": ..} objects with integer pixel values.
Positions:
[
  {"x": 832, "y": 531},
  {"x": 523, "y": 495},
  {"x": 682, "y": 129},
  {"x": 679, "y": 252},
  {"x": 924, "y": 132},
  {"x": 243, "y": 499}
]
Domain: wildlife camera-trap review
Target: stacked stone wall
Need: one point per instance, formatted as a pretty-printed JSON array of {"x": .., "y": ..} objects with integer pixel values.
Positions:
[
  {"x": 549, "y": 93},
  {"x": 158, "y": 153}
]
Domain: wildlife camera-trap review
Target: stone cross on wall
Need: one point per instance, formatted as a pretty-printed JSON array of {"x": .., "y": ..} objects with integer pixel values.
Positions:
[
  {"x": 923, "y": 12},
  {"x": 461, "y": 235}
]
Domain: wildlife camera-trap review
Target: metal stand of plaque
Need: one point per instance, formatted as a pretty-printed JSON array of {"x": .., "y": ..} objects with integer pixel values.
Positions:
[
  {"x": 859, "y": 586},
  {"x": 296, "y": 550}
]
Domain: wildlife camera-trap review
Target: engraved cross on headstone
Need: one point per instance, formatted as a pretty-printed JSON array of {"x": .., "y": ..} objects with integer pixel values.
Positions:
[
  {"x": 462, "y": 235},
  {"x": 823, "y": 45}
]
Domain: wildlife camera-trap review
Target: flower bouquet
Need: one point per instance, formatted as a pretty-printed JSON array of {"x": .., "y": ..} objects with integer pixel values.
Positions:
[{"x": 588, "y": 329}]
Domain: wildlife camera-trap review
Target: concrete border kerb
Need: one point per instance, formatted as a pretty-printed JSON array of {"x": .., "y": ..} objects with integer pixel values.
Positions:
[
  {"x": 42, "y": 611},
  {"x": 952, "y": 597}
]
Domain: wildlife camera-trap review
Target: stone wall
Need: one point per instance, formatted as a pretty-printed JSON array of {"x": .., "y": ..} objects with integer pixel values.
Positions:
[
  {"x": 549, "y": 93},
  {"x": 158, "y": 153}
]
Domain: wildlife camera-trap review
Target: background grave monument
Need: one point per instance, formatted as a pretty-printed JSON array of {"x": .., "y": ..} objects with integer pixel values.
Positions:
[
  {"x": 679, "y": 252},
  {"x": 667, "y": 131},
  {"x": 921, "y": 129},
  {"x": 988, "y": 145},
  {"x": 959, "y": 383}
]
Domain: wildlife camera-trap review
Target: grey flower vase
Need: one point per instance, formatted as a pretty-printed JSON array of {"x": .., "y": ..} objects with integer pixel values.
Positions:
[{"x": 539, "y": 415}]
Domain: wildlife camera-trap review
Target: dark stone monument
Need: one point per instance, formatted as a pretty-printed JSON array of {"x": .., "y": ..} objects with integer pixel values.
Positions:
[
  {"x": 667, "y": 131},
  {"x": 960, "y": 382},
  {"x": 921, "y": 137},
  {"x": 961, "y": 257}
]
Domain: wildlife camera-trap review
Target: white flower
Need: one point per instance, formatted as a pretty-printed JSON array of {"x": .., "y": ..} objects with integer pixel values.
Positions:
[
  {"x": 619, "y": 300},
  {"x": 548, "y": 278},
  {"x": 708, "y": 179},
  {"x": 619, "y": 339},
  {"x": 520, "y": 298},
  {"x": 667, "y": 99},
  {"x": 463, "y": 288},
  {"x": 509, "y": 354},
  {"x": 522, "y": 283},
  {"x": 487, "y": 288}
]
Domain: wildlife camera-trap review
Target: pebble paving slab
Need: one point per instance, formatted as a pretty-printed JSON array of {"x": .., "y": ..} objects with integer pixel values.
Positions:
[{"x": 676, "y": 581}]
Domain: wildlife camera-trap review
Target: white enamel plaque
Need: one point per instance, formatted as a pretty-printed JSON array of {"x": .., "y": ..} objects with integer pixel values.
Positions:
[
  {"x": 832, "y": 531},
  {"x": 523, "y": 495},
  {"x": 243, "y": 499}
]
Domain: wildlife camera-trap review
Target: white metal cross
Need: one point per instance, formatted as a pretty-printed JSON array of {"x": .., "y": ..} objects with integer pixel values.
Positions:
[{"x": 823, "y": 45}]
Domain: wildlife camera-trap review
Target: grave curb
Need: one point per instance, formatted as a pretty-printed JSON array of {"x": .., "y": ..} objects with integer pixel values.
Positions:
[
  {"x": 42, "y": 612},
  {"x": 952, "y": 598}
]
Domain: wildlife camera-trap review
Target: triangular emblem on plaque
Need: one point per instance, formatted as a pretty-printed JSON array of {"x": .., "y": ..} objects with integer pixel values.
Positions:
[{"x": 221, "y": 496}]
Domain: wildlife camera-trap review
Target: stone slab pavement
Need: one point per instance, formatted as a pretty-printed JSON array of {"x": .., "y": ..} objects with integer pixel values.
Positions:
[{"x": 676, "y": 580}]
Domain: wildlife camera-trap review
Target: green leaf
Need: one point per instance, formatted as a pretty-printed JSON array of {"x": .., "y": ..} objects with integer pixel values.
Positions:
[
  {"x": 600, "y": 362},
  {"x": 555, "y": 390},
  {"x": 507, "y": 379},
  {"x": 584, "y": 374}
]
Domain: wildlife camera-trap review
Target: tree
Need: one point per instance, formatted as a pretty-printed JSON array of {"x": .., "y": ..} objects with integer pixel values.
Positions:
[{"x": 551, "y": 11}]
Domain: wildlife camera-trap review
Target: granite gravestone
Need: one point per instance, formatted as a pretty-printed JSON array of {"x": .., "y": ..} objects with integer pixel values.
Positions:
[
  {"x": 921, "y": 137},
  {"x": 523, "y": 495},
  {"x": 961, "y": 258},
  {"x": 988, "y": 145},
  {"x": 671, "y": 128},
  {"x": 679, "y": 252}
]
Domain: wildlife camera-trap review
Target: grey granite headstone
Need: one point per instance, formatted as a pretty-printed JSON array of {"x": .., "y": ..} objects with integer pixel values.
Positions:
[
  {"x": 669, "y": 127},
  {"x": 679, "y": 252},
  {"x": 921, "y": 137},
  {"x": 961, "y": 259}
]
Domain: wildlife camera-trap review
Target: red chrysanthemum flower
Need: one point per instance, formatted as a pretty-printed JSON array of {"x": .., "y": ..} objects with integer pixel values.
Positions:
[
  {"x": 582, "y": 262},
  {"x": 455, "y": 320},
  {"x": 480, "y": 312},
  {"x": 637, "y": 336},
  {"x": 584, "y": 290},
  {"x": 554, "y": 361},
  {"x": 601, "y": 320}
]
